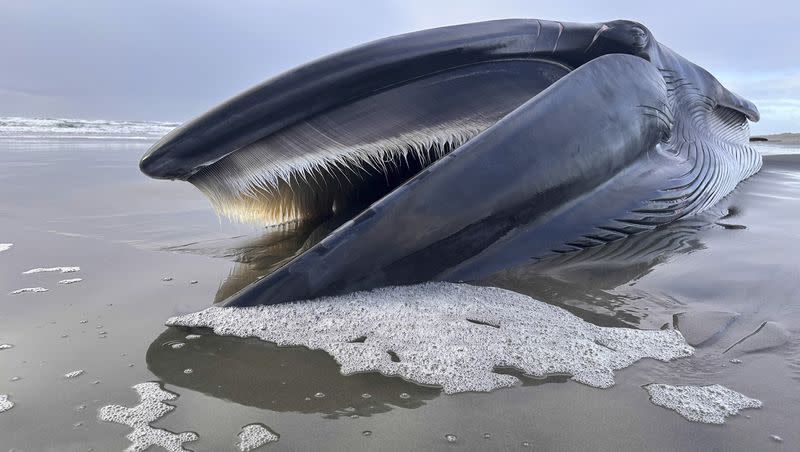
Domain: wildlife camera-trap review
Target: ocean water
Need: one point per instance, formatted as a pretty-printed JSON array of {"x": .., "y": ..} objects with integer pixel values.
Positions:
[
  {"x": 150, "y": 250},
  {"x": 45, "y": 129}
]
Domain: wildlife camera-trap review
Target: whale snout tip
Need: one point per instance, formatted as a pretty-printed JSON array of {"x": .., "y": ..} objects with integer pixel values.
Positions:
[
  {"x": 171, "y": 157},
  {"x": 158, "y": 165}
]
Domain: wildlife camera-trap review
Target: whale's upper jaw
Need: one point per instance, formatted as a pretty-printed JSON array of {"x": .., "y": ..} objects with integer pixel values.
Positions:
[{"x": 348, "y": 128}]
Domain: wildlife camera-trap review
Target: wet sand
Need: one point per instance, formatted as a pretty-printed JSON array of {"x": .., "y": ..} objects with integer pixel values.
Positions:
[{"x": 84, "y": 203}]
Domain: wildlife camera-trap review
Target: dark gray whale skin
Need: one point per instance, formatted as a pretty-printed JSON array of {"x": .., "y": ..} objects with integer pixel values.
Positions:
[{"x": 620, "y": 135}]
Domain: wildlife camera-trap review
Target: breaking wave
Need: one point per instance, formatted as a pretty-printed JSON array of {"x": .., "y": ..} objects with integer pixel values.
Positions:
[{"x": 15, "y": 128}]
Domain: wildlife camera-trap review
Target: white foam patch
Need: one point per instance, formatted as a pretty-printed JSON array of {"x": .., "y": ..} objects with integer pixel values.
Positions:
[
  {"x": 450, "y": 335},
  {"x": 5, "y": 246},
  {"x": 51, "y": 269},
  {"x": 254, "y": 436},
  {"x": 70, "y": 281},
  {"x": 150, "y": 409},
  {"x": 6, "y": 346},
  {"x": 74, "y": 373},
  {"x": 708, "y": 404},
  {"x": 5, "y": 404},
  {"x": 29, "y": 290}
]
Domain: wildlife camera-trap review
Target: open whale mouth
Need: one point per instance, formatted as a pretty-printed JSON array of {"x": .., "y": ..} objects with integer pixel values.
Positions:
[
  {"x": 342, "y": 132},
  {"x": 346, "y": 158}
]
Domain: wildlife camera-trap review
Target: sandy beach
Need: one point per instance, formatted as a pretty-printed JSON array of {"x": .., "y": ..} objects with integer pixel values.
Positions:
[{"x": 148, "y": 250}]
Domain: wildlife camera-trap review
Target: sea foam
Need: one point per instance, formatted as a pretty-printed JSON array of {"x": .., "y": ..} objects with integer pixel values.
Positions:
[
  {"x": 5, "y": 246},
  {"x": 29, "y": 290},
  {"x": 254, "y": 436},
  {"x": 51, "y": 269},
  {"x": 74, "y": 373},
  {"x": 150, "y": 409},
  {"x": 449, "y": 335},
  {"x": 707, "y": 404},
  {"x": 5, "y": 404}
]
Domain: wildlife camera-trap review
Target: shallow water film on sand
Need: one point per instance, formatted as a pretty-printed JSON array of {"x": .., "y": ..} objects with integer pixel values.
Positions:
[{"x": 723, "y": 285}]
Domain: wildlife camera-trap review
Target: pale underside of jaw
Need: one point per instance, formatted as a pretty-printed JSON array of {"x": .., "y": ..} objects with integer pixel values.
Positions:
[{"x": 309, "y": 174}]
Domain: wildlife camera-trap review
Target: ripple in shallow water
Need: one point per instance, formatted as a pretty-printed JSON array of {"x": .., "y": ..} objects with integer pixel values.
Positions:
[{"x": 449, "y": 335}]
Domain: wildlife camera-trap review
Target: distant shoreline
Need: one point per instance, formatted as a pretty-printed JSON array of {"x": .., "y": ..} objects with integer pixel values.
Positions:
[{"x": 783, "y": 138}]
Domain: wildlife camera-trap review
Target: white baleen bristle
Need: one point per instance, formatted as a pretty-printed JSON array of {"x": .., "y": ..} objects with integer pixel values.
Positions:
[{"x": 276, "y": 181}]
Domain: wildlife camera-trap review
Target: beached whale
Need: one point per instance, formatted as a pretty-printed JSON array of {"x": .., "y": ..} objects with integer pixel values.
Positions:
[{"x": 464, "y": 150}]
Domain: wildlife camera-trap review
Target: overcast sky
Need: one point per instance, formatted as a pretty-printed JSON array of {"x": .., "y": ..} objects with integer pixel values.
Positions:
[{"x": 170, "y": 60}]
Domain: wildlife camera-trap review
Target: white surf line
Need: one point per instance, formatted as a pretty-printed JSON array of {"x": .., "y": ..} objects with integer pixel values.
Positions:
[
  {"x": 5, "y": 246},
  {"x": 707, "y": 404},
  {"x": 150, "y": 409},
  {"x": 29, "y": 290},
  {"x": 70, "y": 281},
  {"x": 51, "y": 269},
  {"x": 449, "y": 335}
]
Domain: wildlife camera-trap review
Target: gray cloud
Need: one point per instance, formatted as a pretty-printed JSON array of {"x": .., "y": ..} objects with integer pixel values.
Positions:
[{"x": 170, "y": 60}]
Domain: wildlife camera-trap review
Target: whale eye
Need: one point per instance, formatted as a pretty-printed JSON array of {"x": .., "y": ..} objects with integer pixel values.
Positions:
[{"x": 639, "y": 37}]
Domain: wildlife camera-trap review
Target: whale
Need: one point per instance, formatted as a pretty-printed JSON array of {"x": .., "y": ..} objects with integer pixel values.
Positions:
[{"x": 456, "y": 152}]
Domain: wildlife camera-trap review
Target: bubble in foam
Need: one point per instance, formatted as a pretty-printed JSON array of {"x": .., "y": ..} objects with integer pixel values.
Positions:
[
  {"x": 707, "y": 404},
  {"x": 29, "y": 290},
  {"x": 254, "y": 436},
  {"x": 139, "y": 417},
  {"x": 51, "y": 270},
  {"x": 5, "y": 246},
  {"x": 5, "y": 404},
  {"x": 451, "y": 335},
  {"x": 70, "y": 281},
  {"x": 74, "y": 373}
]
